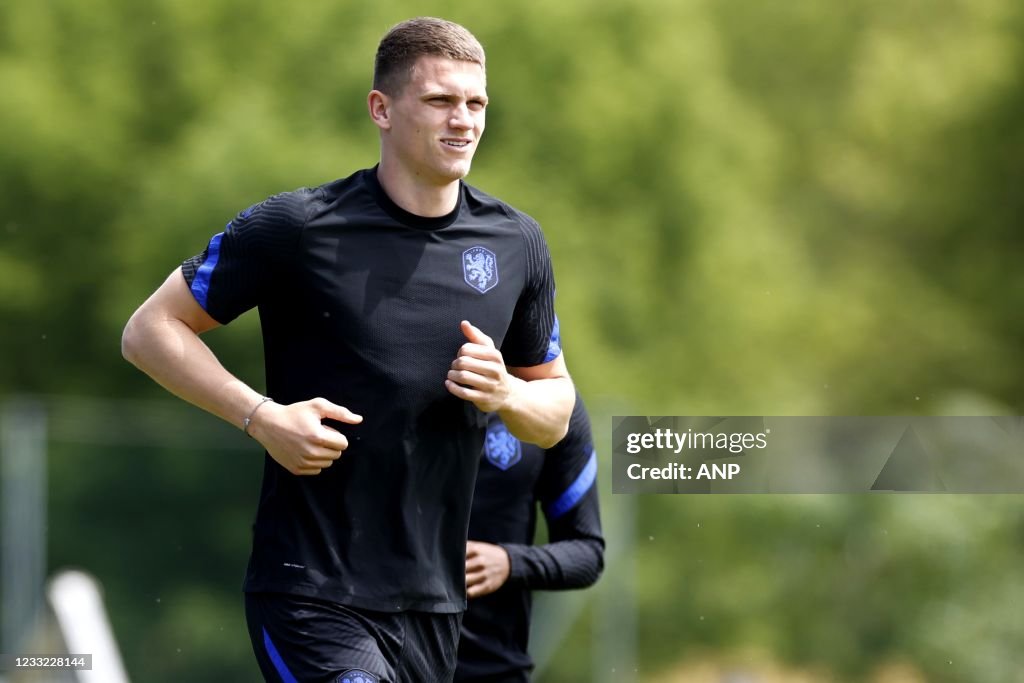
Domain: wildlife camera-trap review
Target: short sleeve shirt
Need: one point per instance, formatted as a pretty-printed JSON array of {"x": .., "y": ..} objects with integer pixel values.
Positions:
[{"x": 360, "y": 303}]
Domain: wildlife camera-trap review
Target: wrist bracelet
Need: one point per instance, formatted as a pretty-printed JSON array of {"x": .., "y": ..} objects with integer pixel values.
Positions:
[{"x": 247, "y": 421}]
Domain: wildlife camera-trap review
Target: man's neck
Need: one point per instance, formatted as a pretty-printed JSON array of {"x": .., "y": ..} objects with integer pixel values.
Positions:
[{"x": 414, "y": 195}]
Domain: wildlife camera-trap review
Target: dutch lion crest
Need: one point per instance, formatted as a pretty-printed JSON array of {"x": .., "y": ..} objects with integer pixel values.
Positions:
[
  {"x": 357, "y": 676},
  {"x": 501, "y": 448},
  {"x": 480, "y": 268}
]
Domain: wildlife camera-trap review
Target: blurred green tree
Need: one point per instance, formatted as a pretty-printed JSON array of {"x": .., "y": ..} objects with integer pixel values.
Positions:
[{"x": 795, "y": 208}]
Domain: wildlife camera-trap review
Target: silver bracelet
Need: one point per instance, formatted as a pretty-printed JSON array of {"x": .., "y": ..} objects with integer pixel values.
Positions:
[{"x": 247, "y": 421}]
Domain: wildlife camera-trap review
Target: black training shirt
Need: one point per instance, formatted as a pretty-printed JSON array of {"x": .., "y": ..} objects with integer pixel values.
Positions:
[
  {"x": 360, "y": 303},
  {"x": 514, "y": 477}
]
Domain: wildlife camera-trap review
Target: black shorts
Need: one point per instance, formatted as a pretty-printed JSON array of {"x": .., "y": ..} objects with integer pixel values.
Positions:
[{"x": 303, "y": 640}]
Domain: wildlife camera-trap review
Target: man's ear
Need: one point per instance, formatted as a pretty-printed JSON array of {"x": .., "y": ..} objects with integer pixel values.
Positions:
[{"x": 379, "y": 105}]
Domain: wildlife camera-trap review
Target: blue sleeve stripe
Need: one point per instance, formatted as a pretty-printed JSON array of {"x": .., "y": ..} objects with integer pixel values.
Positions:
[
  {"x": 554, "y": 344},
  {"x": 201, "y": 282},
  {"x": 574, "y": 494},
  {"x": 275, "y": 657}
]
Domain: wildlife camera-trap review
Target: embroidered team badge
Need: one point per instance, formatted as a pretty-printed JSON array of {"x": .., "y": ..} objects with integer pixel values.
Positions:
[
  {"x": 480, "y": 268},
  {"x": 501, "y": 448},
  {"x": 357, "y": 676}
]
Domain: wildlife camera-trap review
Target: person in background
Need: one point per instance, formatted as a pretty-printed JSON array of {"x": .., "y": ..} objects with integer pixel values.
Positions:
[{"x": 502, "y": 564}]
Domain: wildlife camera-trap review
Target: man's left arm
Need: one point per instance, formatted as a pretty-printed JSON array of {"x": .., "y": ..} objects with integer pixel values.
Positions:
[
  {"x": 535, "y": 402},
  {"x": 540, "y": 403},
  {"x": 533, "y": 394}
]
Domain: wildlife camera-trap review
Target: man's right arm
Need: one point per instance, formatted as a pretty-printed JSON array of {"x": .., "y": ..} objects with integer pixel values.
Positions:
[{"x": 162, "y": 340}]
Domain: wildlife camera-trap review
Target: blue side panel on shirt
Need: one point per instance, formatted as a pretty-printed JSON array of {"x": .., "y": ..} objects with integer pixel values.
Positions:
[
  {"x": 275, "y": 657},
  {"x": 554, "y": 344},
  {"x": 201, "y": 282},
  {"x": 576, "y": 490}
]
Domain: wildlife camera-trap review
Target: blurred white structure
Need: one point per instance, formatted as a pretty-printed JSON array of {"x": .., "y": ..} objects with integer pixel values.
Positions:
[{"x": 76, "y": 602}]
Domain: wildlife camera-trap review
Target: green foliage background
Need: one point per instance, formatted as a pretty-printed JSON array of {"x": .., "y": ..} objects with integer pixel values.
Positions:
[{"x": 754, "y": 208}]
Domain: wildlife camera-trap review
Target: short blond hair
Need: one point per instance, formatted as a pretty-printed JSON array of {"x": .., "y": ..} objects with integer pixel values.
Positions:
[{"x": 423, "y": 36}]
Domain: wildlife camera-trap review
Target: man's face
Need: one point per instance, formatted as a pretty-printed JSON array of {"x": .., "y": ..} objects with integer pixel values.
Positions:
[{"x": 438, "y": 118}]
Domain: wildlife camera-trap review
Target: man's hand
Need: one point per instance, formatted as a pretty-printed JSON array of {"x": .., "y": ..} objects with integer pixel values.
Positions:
[
  {"x": 478, "y": 373},
  {"x": 295, "y": 437},
  {"x": 487, "y": 568}
]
